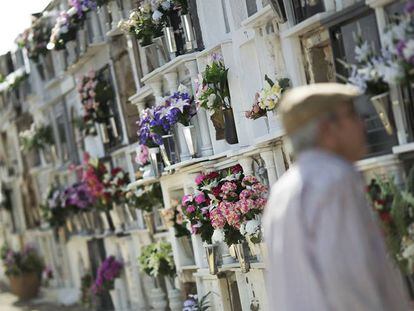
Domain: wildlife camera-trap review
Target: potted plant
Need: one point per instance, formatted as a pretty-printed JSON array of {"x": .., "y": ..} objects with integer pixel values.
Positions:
[
  {"x": 157, "y": 261},
  {"x": 24, "y": 269},
  {"x": 53, "y": 209},
  {"x": 109, "y": 270},
  {"x": 146, "y": 199}
]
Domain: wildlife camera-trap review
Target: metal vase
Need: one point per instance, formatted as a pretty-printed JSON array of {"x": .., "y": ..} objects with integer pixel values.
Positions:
[
  {"x": 151, "y": 53},
  {"x": 169, "y": 150},
  {"x": 103, "y": 128},
  {"x": 190, "y": 40},
  {"x": 212, "y": 258},
  {"x": 382, "y": 105},
  {"x": 113, "y": 127},
  {"x": 230, "y": 127},
  {"x": 242, "y": 256},
  {"x": 153, "y": 152},
  {"x": 190, "y": 136},
  {"x": 170, "y": 39},
  {"x": 149, "y": 219}
]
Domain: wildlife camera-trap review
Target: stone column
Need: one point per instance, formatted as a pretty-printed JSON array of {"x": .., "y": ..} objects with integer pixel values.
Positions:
[
  {"x": 267, "y": 157},
  {"x": 247, "y": 165},
  {"x": 204, "y": 131},
  {"x": 156, "y": 87},
  {"x": 140, "y": 106},
  {"x": 96, "y": 29},
  {"x": 172, "y": 81},
  {"x": 279, "y": 160}
]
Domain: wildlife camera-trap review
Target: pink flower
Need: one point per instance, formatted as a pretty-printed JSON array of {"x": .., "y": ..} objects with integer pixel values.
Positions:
[
  {"x": 190, "y": 209},
  {"x": 233, "y": 218},
  {"x": 244, "y": 206},
  {"x": 218, "y": 220},
  {"x": 245, "y": 194},
  {"x": 186, "y": 199},
  {"x": 260, "y": 203},
  {"x": 228, "y": 186},
  {"x": 142, "y": 155},
  {"x": 200, "y": 178},
  {"x": 200, "y": 198},
  {"x": 249, "y": 180}
]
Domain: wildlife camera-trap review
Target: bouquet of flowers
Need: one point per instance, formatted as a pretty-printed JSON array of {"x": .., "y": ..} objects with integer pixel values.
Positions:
[
  {"x": 21, "y": 262},
  {"x": 53, "y": 209},
  {"x": 271, "y": 94},
  {"x": 157, "y": 260},
  {"x": 192, "y": 303},
  {"x": 36, "y": 38},
  {"x": 256, "y": 111},
  {"x": 145, "y": 198},
  {"x": 173, "y": 217},
  {"x": 146, "y": 134},
  {"x": 95, "y": 92},
  {"x": 212, "y": 90},
  {"x": 181, "y": 107},
  {"x": 78, "y": 198},
  {"x": 108, "y": 271},
  {"x": 68, "y": 23},
  {"x": 142, "y": 155},
  {"x": 36, "y": 138}
]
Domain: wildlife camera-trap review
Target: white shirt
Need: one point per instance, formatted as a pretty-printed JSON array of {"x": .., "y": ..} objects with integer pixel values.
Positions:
[{"x": 325, "y": 249}]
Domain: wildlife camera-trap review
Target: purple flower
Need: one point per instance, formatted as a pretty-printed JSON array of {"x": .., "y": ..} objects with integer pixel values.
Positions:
[
  {"x": 108, "y": 271},
  {"x": 409, "y": 7}
]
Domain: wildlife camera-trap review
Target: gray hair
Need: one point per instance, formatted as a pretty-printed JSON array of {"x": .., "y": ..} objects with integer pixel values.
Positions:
[{"x": 306, "y": 137}]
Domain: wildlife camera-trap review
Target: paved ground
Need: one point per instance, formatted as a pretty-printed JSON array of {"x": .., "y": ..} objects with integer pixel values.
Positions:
[{"x": 9, "y": 302}]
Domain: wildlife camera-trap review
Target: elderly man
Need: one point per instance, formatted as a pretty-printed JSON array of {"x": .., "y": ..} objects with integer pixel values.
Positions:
[{"x": 325, "y": 249}]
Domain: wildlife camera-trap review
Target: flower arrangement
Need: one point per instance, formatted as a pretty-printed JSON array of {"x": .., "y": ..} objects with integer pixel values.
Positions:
[
  {"x": 36, "y": 38},
  {"x": 180, "y": 107},
  {"x": 212, "y": 90},
  {"x": 256, "y": 111},
  {"x": 226, "y": 206},
  {"x": 95, "y": 92},
  {"x": 36, "y": 138},
  {"x": 192, "y": 303},
  {"x": 107, "y": 186},
  {"x": 53, "y": 209},
  {"x": 145, "y": 198},
  {"x": 142, "y": 155},
  {"x": 395, "y": 211},
  {"x": 77, "y": 197},
  {"x": 157, "y": 260},
  {"x": 68, "y": 23},
  {"x": 21, "y": 262},
  {"x": 108, "y": 271},
  {"x": 173, "y": 217}
]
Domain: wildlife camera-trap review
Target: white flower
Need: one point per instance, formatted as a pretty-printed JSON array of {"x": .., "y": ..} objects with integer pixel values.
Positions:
[
  {"x": 166, "y": 5},
  {"x": 409, "y": 251},
  {"x": 157, "y": 15},
  {"x": 182, "y": 88},
  {"x": 408, "y": 50},
  {"x": 211, "y": 100},
  {"x": 362, "y": 52},
  {"x": 390, "y": 71},
  {"x": 218, "y": 236},
  {"x": 252, "y": 226}
]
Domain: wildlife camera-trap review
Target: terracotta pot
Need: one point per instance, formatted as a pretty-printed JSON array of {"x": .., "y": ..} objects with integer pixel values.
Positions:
[{"x": 25, "y": 286}]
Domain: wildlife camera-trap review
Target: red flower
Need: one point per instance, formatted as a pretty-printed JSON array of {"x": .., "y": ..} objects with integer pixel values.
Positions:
[
  {"x": 236, "y": 169},
  {"x": 115, "y": 171},
  {"x": 212, "y": 175},
  {"x": 216, "y": 191},
  {"x": 385, "y": 217}
]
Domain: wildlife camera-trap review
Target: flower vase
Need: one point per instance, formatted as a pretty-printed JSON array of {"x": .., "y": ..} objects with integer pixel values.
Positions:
[
  {"x": 242, "y": 256},
  {"x": 185, "y": 243},
  {"x": 170, "y": 39},
  {"x": 105, "y": 221},
  {"x": 161, "y": 52},
  {"x": 382, "y": 105},
  {"x": 153, "y": 152},
  {"x": 115, "y": 298},
  {"x": 168, "y": 150},
  {"x": 190, "y": 137},
  {"x": 116, "y": 219},
  {"x": 212, "y": 253},
  {"x": 174, "y": 300},
  {"x": 227, "y": 254},
  {"x": 230, "y": 127},
  {"x": 273, "y": 121},
  {"x": 149, "y": 219},
  {"x": 158, "y": 301},
  {"x": 217, "y": 118},
  {"x": 151, "y": 54},
  {"x": 103, "y": 128},
  {"x": 190, "y": 40},
  {"x": 148, "y": 172},
  {"x": 266, "y": 119},
  {"x": 114, "y": 128},
  {"x": 69, "y": 226}
]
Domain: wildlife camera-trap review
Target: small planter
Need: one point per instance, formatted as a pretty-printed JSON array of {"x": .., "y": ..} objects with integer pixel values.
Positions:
[
  {"x": 149, "y": 219},
  {"x": 174, "y": 300},
  {"x": 242, "y": 255},
  {"x": 230, "y": 127},
  {"x": 212, "y": 253},
  {"x": 169, "y": 150},
  {"x": 382, "y": 105},
  {"x": 190, "y": 40},
  {"x": 218, "y": 121},
  {"x": 25, "y": 286},
  {"x": 185, "y": 243},
  {"x": 190, "y": 137},
  {"x": 153, "y": 152},
  {"x": 103, "y": 128}
]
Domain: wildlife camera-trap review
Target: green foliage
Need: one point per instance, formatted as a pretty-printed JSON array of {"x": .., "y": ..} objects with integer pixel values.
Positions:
[
  {"x": 21, "y": 262},
  {"x": 36, "y": 138},
  {"x": 157, "y": 260},
  {"x": 145, "y": 198}
]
